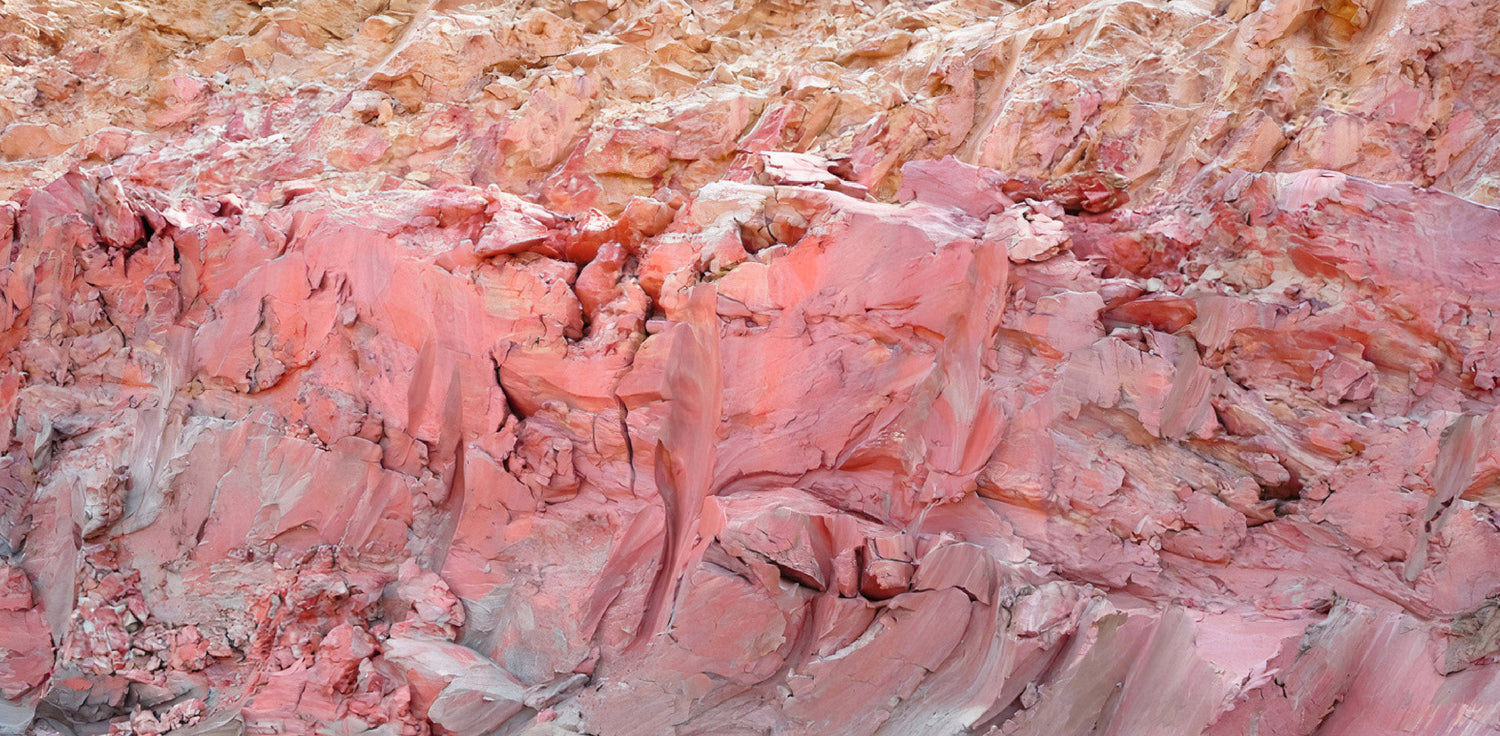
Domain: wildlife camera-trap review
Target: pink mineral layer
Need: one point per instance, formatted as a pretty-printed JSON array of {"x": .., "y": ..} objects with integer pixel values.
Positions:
[{"x": 699, "y": 367}]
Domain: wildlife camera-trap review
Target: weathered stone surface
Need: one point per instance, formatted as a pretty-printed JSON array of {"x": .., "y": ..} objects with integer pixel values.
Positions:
[{"x": 637, "y": 368}]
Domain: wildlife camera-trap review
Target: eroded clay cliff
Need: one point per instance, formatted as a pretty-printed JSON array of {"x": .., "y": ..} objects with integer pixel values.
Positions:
[{"x": 1072, "y": 367}]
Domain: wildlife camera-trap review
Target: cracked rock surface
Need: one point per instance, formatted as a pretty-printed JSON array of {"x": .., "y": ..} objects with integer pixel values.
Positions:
[{"x": 724, "y": 367}]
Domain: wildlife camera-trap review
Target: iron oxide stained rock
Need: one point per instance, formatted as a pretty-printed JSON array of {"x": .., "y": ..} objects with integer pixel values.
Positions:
[{"x": 827, "y": 368}]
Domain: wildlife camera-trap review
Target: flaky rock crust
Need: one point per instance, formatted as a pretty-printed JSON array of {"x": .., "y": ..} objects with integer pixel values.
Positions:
[{"x": 619, "y": 368}]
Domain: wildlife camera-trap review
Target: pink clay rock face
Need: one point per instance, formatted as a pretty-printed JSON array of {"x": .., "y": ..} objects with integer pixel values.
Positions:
[{"x": 467, "y": 367}]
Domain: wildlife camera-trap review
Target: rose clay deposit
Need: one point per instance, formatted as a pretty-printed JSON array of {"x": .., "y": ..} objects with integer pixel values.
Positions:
[{"x": 731, "y": 367}]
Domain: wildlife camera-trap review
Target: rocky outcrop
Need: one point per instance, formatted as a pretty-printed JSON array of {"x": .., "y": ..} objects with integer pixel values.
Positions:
[{"x": 468, "y": 368}]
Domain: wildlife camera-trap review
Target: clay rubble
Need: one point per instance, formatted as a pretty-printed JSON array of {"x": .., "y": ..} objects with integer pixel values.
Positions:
[{"x": 749, "y": 368}]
